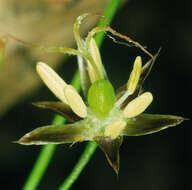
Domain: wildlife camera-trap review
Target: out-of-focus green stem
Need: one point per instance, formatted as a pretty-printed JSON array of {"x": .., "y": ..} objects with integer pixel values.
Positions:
[{"x": 47, "y": 151}]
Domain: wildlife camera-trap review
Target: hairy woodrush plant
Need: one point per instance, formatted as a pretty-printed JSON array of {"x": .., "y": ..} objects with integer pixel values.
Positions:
[{"x": 105, "y": 116}]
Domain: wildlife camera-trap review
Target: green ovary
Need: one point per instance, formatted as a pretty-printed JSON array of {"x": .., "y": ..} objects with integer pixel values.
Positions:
[{"x": 101, "y": 97}]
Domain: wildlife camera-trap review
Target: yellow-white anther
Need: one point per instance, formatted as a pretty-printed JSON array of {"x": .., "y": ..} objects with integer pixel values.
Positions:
[
  {"x": 114, "y": 129},
  {"x": 92, "y": 73},
  {"x": 53, "y": 81},
  {"x": 138, "y": 105},
  {"x": 135, "y": 75},
  {"x": 96, "y": 56},
  {"x": 75, "y": 101}
]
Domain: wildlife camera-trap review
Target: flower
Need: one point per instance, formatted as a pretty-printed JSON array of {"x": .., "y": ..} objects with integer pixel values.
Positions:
[{"x": 105, "y": 117}]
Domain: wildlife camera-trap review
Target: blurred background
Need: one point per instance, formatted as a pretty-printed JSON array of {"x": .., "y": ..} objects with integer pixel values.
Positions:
[{"x": 158, "y": 161}]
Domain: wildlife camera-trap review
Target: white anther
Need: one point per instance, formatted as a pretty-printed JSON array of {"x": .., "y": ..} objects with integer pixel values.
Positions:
[
  {"x": 75, "y": 101},
  {"x": 135, "y": 75},
  {"x": 53, "y": 81},
  {"x": 114, "y": 129},
  {"x": 138, "y": 105},
  {"x": 92, "y": 74},
  {"x": 96, "y": 56}
]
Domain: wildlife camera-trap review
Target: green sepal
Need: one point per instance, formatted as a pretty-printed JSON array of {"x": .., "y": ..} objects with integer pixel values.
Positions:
[
  {"x": 145, "y": 124},
  {"x": 111, "y": 149},
  {"x": 60, "y": 108},
  {"x": 101, "y": 97},
  {"x": 56, "y": 134}
]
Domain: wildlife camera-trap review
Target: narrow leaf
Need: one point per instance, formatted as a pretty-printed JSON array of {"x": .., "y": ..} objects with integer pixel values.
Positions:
[{"x": 150, "y": 123}]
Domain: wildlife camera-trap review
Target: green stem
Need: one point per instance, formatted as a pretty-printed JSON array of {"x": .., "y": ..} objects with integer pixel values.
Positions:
[
  {"x": 80, "y": 165},
  {"x": 47, "y": 151}
]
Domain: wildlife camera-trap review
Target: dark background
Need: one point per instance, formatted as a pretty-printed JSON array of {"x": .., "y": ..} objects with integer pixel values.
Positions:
[{"x": 158, "y": 161}]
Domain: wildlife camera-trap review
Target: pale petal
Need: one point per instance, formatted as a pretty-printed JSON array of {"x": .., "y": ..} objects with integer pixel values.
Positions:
[
  {"x": 54, "y": 82},
  {"x": 75, "y": 101},
  {"x": 138, "y": 105}
]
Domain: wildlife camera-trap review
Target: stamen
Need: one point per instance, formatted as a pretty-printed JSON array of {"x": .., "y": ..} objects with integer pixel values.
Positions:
[
  {"x": 122, "y": 99},
  {"x": 92, "y": 74},
  {"x": 138, "y": 105},
  {"x": 96, "y": 56},
  {"x": 75, "y": 101},
  {"x": 135, "y": 75},
  {"x": 53, "y": 81},
  {"x": 114, "y": 129}
]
